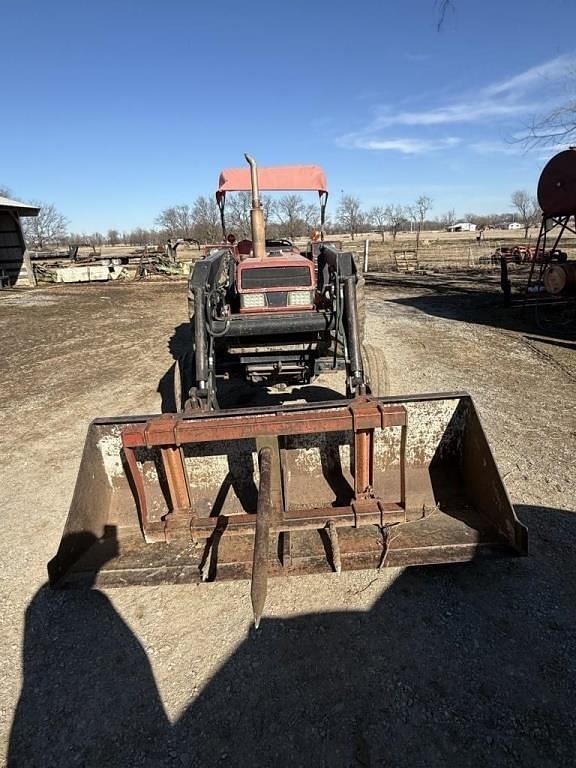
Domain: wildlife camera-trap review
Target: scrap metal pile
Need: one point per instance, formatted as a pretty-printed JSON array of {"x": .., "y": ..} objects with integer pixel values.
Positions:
[
  {"x": 550, "y": 289},
  {"x": 161, "y": 264}
]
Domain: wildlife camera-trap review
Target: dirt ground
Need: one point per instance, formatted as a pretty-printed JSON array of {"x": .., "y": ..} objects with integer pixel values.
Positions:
[{"x": 431, "y": 666}]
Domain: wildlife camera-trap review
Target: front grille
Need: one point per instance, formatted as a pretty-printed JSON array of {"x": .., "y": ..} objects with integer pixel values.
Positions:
[
  {"x": 277, "y": 299},
  {"x": 276, "y": 277}
]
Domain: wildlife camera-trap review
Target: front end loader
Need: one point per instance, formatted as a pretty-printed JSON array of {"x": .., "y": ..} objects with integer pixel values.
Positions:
[{"x": 211, "y": 492}]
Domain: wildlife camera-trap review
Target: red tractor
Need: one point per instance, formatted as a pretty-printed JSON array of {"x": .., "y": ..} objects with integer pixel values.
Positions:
[{"x": 263, "y": 311}]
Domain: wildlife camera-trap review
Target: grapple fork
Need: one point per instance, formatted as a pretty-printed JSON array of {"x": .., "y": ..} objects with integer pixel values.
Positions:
[{"x": 313, "y": 488}]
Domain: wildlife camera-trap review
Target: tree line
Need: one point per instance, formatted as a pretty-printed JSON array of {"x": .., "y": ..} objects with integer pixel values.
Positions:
[{"x": 286, "y": 216}]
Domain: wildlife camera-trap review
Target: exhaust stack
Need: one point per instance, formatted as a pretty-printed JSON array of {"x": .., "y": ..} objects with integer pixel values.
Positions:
[{"x": 256, "y": 213}]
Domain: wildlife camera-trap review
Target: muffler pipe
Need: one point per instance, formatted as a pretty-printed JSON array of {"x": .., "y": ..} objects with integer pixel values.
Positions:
[{"x": 256, "y": 213}]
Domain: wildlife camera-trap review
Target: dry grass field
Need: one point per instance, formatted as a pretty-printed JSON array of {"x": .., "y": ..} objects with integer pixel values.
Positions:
[
  {"x": 441, "y": 250},
  {"x": 430, "y": 666},
  {"x": 437, "y": 249}
]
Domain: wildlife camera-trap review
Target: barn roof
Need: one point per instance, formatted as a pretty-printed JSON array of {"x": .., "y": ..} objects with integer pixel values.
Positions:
[{"x": 22, "y": 209}]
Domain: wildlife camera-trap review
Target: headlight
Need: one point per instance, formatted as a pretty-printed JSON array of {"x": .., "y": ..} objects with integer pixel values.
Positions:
[
  {"x": 251, "y": 300},
  {"x": 300, "y": 298}
]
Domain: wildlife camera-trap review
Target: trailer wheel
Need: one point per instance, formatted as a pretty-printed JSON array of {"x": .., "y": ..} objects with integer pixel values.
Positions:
[{"x": 375, "y": 370}]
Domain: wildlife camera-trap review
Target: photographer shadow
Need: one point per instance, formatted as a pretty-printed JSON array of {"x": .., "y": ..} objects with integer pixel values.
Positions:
[
  {"x": 88, "y": 696},
  {"x": 453, "y": 665}
]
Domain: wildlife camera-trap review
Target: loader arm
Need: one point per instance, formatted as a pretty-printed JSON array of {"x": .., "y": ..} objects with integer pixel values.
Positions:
[
  {"x": 209, "y": 278},
  {"x": 337, "y": 271}
]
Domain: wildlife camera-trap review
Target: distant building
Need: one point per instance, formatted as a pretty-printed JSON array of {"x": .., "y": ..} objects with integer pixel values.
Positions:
[
  {"x": 15, "y": 265},
  {"x": 462, "y": 226},
  {"x": 514, "y": 225}
]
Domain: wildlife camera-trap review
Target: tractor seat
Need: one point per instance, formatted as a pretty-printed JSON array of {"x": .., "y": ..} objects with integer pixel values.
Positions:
[{"x": 245, "y": 247}]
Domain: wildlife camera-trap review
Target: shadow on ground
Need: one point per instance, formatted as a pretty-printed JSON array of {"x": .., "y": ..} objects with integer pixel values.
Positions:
[
  {"x": 178, "y": 345},
  {"x": 453, "y": 665},
  {"x": 460, "y": 298}
]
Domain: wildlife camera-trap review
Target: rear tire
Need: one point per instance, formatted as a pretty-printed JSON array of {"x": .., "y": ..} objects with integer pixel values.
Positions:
[{"x": 375, "y": 371}]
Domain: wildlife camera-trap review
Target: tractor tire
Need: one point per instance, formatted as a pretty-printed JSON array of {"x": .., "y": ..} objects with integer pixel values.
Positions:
[
  {"x": 360, "y": 296},
  {"x": 361, "y": 306},
  {"x": 375, "y": 370},
  {"x": 182, "y": 380}
]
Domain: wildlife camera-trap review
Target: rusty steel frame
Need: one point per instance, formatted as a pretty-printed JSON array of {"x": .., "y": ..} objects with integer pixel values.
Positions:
[{"x": 170, "y": 432}]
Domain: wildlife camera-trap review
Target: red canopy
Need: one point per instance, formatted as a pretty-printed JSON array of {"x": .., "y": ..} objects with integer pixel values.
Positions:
[{"x": 279, "y": 178}]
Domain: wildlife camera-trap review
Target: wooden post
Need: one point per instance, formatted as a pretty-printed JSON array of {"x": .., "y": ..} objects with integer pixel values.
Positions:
[{"x": 366, "y": 246}]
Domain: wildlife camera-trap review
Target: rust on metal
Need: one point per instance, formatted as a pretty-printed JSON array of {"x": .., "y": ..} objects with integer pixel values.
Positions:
[
  {"x": 179, "y": 429},
  {"x": 169, "y": 433},
  {"x": 367, "y": 512},
  {"x": 335, "y": 546},
  {"x": 184, "y": 498}
]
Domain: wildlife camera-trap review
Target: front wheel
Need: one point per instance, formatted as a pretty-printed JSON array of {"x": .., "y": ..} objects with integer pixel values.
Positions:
[
  {"x": 375, "y": 371},
  {"x": 360, "y": 297},
  {"x": 182, "y": 380}
]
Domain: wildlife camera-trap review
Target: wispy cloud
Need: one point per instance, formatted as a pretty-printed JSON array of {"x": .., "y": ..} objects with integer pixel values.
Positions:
[
  {"x": 463, "y": 112},
  {"x": 495, "y": 148},
  {"x": 495, "y": 102},
  {"x": 539, "y": 75},
  {"x": 406, "y": 146}
]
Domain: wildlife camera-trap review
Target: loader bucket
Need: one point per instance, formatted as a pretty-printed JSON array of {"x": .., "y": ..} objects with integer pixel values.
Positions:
[{"x": 320, "y": 487}]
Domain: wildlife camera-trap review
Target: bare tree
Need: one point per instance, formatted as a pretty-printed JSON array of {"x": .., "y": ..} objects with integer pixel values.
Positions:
[
  {"x": 140, "y": 236},
  {"x": 206, "y": 218},
  {"x": 176, "y": 221},
  {"x": 238, "y": 208},
  {"x": 48, "y": 228},
  {"x": 96, "y": 240},
  {"x": 395, "y": 218},
  {"x": 238, "y": 213},
  {"x": 527, "y": 208},
  {"x": 270, "y": 207},
  {"x": 113, "y": 237},
  {"x": 444, "y": 7},
  {"x": 5, "y": 191},
  {"x": 379, "y": 219},
  {"x": 290, "y": 211},
  {"x": 417, "y": 213},
  {"x": 448, "y": 219},
  {"x": 558, "y": 126},
  {"x": 311, "y": 217},
  {"x": 350, "y": 215}
]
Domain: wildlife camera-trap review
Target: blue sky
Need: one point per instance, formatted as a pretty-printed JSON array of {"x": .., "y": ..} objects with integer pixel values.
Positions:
[{"x": 115, "y": 110}]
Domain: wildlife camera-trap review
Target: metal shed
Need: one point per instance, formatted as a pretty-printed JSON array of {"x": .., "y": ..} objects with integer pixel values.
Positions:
[
  {"x": 15, "y": 267},
  {"x": 462, "y": 226}
]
